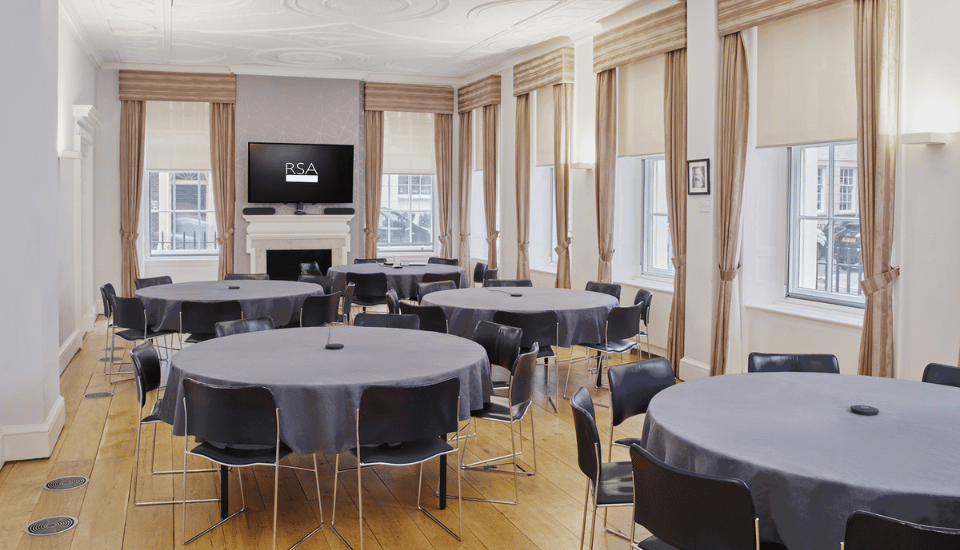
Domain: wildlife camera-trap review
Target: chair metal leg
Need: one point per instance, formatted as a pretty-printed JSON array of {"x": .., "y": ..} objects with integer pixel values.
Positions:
[
  {"x": 593, "y": 524},
  {"x": 459, "y": 506},
  {"x": 153, "y": 454},
  {"x": 583, "y": 528}
]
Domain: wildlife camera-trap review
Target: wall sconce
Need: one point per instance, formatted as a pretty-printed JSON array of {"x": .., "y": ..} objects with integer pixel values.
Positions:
[{"x": 923, "y": 138}]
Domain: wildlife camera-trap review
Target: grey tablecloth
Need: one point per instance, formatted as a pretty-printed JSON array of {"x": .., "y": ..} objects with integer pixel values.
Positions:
[
  {"x": 280, "y": 300},
  {"x": 808, "y": 460},
  {"x": 582, "y": 314},
  {"x": 403, "y": 279},
  {"x": 318, "y": 390}
]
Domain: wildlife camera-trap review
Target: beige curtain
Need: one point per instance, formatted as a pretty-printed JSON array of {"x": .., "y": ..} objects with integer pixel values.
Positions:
[
  {"x": 224, "y": 187},
  {"x": 877, "y": 65},
  {"x": 523, "y": 186},
  {"x": 731, "y": 160},
  {"x": 465, "y": 169},
  {"x": 133, "y": 115},
  {"x": 490, "y": 114},
  {"x": 562, "y": 136},
  {"x": 373, "y": 178},
  {"x": 443, "y": 135},
  {"x": 675, "y": 141},
  {"x": 606, "y": 168}
]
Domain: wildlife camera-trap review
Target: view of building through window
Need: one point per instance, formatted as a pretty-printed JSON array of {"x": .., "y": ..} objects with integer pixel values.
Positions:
[
  {"x": 406, "y": 213},
  {"x": 182, "y": 217}
]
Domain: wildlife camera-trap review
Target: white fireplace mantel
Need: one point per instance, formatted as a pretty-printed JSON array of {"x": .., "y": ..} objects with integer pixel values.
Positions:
[{"x": 292, "y": 232}]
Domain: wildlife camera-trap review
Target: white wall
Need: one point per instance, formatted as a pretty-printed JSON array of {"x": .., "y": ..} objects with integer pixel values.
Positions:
[{"x": 106, "y": 198}]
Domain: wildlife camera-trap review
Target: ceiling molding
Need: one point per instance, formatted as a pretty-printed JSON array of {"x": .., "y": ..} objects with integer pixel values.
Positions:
[{"x": 69, "y": 17}]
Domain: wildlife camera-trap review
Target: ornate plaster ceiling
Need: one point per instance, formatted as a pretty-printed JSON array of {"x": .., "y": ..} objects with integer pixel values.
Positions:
[{"x": 439, "y": 39}]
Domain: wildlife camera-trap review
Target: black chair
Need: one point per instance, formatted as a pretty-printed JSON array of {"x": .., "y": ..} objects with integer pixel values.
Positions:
[
  {"x": 541, "y": 328},
  {"x": 318, "y": 311},
  {"x": 325, "y": 282},
  {"x": 106, "y": 292},
  {"x": 199, "y": 319},
  {"x": 130, "y": 325},
  {"x": 369, "y": 260},
  {"x": 502, "y": 344},
  {"x": 310, "y": 268},
  {"x": 152, "y": 281},
  {"x": 432, "y": 318},
  {"x": 805, "y": 362},
  {"x": 610, "y": 483},
  {"x": 493, "y": 283},
  {"x": 490, "y": 273},
  {"x": 945, "y": 375},
  {"x": 403, "y": 426},
  {"x": 426, "y": 288},
  {"x": 346, "y": 304},
  {"x": 632, "y": 386},
  {"x": 245, "y": 423},
  {"x": 393, "y": 301},
  {"x": 246, "y": 277},
  {"x": 612, "y": 289},
  {"x": 243, "y": 326},
  {"x": 644, "y": 297},
  {"x": 371, "y": 289},
  {"x": 146, "y": 368},
  {"x": 623, "y": 323},
  {"x": 443, "y": 261},
  {"x": 692, "y": 511},
  {"x": 511, "y": 409},
  {"x": 434, "y": 277},
  {"x": 869, "y": 531},
  {"x": 478, "y": 272},
  {"x": 387, "y": 320}
]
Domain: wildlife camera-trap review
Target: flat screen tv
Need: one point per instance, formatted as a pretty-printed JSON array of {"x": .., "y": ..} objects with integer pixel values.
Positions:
[{"x": 299, "y": 172}]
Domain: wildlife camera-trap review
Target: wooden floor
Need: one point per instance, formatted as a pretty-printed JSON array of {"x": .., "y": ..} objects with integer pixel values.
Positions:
[{"x": 99, "y": 438}]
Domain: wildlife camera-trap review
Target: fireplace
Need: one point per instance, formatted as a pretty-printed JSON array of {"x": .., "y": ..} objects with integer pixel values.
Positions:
[
  {"x": 284, "y": 265},
  {"x": 277, "y": 233}
]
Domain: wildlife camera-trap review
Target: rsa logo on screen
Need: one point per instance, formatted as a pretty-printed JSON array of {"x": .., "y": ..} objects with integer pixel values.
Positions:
[{"x": 302, "y": 173}]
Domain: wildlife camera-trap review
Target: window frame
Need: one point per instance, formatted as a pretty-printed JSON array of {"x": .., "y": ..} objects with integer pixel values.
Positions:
[
  {"x": 647, "y": 169},
  {"x": 210, "y": 211}
]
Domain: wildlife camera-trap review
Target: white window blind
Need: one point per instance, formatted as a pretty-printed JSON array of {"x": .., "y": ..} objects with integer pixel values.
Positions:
[
  {"x": 640, "y": 107},
  {"x": 544, "y": 141},
  {"x": 177, "y": 136},
  {"x": 408, "y": 144},
  {"x": 806, "y": 88}
]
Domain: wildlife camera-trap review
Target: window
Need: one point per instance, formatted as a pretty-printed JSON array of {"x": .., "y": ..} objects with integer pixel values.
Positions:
[
  {"x": 825, "y": 261},
  {"x": 406, "y": 212},
  {"x": 641, "y": 231},
  {"x": 543, "y": 220},
  {"x": 478, "y": 216}
]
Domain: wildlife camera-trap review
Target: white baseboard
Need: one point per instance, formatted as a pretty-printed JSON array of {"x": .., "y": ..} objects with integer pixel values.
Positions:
[
  {"x": 33, "y": 440},
  {"x": 691, "y": 369},
  {"x": 70, "y": 348}
]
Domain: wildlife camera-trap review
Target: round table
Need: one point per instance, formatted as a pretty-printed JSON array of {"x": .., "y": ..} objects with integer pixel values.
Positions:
[
  {"x": 807, "y": 459},
  {"x": 403, "y": 279},
  {"x": 280, "y": 300},
  {"x": 318, "y": 390},
  {"x": 582, "y": 314}
]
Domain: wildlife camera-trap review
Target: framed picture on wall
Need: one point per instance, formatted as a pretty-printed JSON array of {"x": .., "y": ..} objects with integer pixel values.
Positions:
[{"x": 698, "y": 177}]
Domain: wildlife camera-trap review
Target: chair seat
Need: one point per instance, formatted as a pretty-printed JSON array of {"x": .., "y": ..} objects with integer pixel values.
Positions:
[
  {"x": 240, "y": 457},
  {"x": 197, "y": 337},
  {"x": 653, "y": 543},
  {"x": 133, "y": 335},
  {"x": 368, "y": 301},
  {"x": 616, "y": 346},
  {"x": 498, "y": 410},
  {"x": 628, "y": 441},
  {"x": 616, "y": 484},
  {"x": 413, "y": 452},
  {"x": 545, "y": 351},
  {"x": 154, "y": 415}
]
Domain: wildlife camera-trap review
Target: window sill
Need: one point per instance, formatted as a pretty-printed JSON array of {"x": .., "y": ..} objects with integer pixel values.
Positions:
[
  {"x": 649, "y": 281},
  {"x": 161, "y": 260},
  {"x": 804, "y": 309},
  {"x": 545, "y": 269}
]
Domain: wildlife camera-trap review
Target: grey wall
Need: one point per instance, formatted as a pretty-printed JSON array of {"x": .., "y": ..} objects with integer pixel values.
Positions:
[{"x": 297, "y": 110}]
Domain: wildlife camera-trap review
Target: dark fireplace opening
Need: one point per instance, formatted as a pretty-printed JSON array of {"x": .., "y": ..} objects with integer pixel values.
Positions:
[{"x": 284, "y": 265}]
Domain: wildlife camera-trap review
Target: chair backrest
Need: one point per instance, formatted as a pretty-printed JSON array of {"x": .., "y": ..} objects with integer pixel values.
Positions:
[
  {"x": 478, "y": 271},
  {"x": 507, "y": 282},
  {"x": 320, "y": 310},
  {"x": 869, "y": 531},
  {"x": 106, "y": 291},
  {"x": 613, "y": 289},
  {"x": 633, "y": 385},
  {"x": 443, "y": 261},
  {"x": 246, "y": 277},
  {"x": 128, "y": 313},
  {"x": 146, "y": 369},
  {"x": 245, "y": 415},
  {"x": 945, "y": 375},
  {"x": 490, "y": 273},
  {"x": 432, "y": 318},
  {"x": 623, "y": 322},
  {"x": 538, "y": 327},
  {"x": 521, "y": 378},
  {"x": 310, "y": 268},
  {"x": 369, "y": 260},
  {"x": 201, "y": 317},
  {"x": 323, "y": 280},
  {"x": 502, "y": 343},
  {"x": 435, "y": 277},
  {"x": 387, "y": 320},
  {"x": 152, "y": 281},
  {"x": 426, "y": 288},
  {"x": 369, "y": 285},
  {"x": 243, "y": 326},
  {"x": 689, "y": 510},
  {"x": 644, "y": 297},
  {"x": 392, "y": 414},
  {"x": 588, "y": 438},
  {"x": 804, "y": 362},
  {"x": 393, "y": 301},
  {"x": 347, "y": 305}
]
